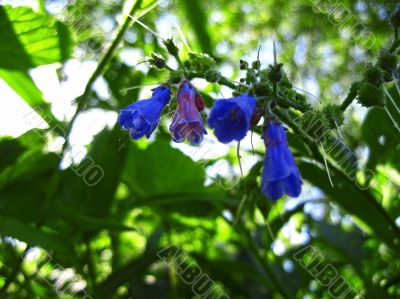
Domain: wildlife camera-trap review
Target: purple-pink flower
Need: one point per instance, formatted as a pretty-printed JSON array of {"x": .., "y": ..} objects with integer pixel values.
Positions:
[{"x": 187, "y": 123}]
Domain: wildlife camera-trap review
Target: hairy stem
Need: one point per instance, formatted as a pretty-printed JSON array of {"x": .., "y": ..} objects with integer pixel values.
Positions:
[{"x": 350, "y": 97}]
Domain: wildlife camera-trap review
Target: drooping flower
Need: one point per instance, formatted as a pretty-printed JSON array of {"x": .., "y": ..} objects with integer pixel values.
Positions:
[
  {"x": 141, "y": 117},
  {"x": 280, "y": 174},
  {"x": 231, "y": 117},
  {"x": 187, "y": 122}
]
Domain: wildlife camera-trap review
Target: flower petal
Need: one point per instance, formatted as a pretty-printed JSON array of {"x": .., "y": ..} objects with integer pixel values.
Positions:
[
  {"x": 275, "y": 164},
  {"x": 141, "y": 117},
  {"x": 280, "y": 174},
  {"x": 292, "y": 185},
  {"x": 273, "y": 189},
  {"x": 187, "y": 122},
  {"x": 230, "y": 118}
]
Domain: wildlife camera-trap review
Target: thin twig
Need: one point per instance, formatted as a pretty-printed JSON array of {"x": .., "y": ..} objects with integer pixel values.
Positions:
[{"x": 83, "y": 99}]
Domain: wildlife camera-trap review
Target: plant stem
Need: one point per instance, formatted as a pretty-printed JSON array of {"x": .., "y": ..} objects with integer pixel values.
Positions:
[
  {"x": 90, "y": 262},
  {"x": 82, "y": 100},
  {"x": 396, "y": 41},
  {"x": 222, "y": 80},
  {"x": 350, "y": 97},
  {"x": 279, "y": 287},
  {"x": 178, "y": 59},
  {"x": 167, "y": 67}
]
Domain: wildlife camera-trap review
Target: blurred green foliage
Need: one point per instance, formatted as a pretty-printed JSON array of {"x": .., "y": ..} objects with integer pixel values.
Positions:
[{"x": 54, "y": 221}]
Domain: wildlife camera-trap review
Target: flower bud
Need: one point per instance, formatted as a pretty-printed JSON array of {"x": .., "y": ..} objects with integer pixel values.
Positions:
[
  {"x": 171, "y": 47},
  {"x": 275, "y": 73},
  {"x": 262, "y": 89},
  {"x": 373, "y": 75},
  {"x": 243, "y": 65},
  {"x": 256, "y": 65},
  {"x": 370, "y": 95},
  {"x": 250, "y": 76},
  {"x": 157, "y": 60},
  {"x": 387, "y": 62}
]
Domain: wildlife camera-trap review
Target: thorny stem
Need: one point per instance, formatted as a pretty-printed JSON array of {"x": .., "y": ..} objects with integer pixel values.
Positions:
[
  {"x": 268, "y": 111},
  {"x": 353, "y": 89}
]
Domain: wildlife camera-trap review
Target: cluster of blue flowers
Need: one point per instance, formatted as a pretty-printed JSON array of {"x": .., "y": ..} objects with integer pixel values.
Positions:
[{"x": 231, "y": 119}]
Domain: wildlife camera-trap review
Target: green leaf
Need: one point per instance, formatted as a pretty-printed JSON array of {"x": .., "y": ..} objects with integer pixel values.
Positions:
[
  {"x": 29, "y": 39},
  {"x": 381, "y": 136},
  {"x": 35, "y": 237},
  {"x": 90, "y": 186},
  {"x": 24, "y": 185},
  {"x": 369, "y": 214},
  {"x": 164, "y": 177},
  {"x": 87, "y": 223},
  {"x": 198, "y": 20},
  {"x": 347, "y": 244},
  {"x": 278, "y": 222},
  {"x": 29, "y": 166},
  {"x": 160, "y": 169},
  {"x": 392, "y": 91},
  {"x": 23, "y": 85},
  {"x": 118, "y": 77},
  {"x": 24, "y": 179},
  {"x": 132, "y": 271},
  {"x": 10, "y": 150}
]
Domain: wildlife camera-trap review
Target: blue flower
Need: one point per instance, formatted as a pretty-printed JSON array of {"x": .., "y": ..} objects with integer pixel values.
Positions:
[
  {"x": 280, "y": 174},
  {"x": 231, "y": 117},
  {"x": 142, "y": 117},
  {"x": 187, "y": 122}
]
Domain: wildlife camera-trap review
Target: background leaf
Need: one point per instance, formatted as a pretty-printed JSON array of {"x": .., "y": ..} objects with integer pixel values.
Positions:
[{"x": 30, "y": 39}]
